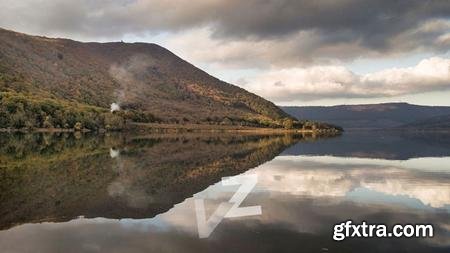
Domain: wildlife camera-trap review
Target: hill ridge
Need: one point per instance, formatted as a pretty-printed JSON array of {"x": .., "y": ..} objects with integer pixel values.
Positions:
[
  {"x": 138, "y": 76},
  {"x": 384, "y": 115}
]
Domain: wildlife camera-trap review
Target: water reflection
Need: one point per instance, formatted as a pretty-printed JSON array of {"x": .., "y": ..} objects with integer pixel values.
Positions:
[
  {"x": 60, "y": 177},
  {"x": 143, "y": 187},
  {"x": 356, "y": 178},
  {"x": 378, "y": 144}
]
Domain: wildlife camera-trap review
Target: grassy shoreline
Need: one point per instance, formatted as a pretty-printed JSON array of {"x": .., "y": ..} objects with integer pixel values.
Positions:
[{"x": 180, "y": 128}]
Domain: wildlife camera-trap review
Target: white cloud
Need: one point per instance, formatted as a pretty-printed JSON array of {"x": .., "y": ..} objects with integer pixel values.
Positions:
[{"x": 337, "y": 81}]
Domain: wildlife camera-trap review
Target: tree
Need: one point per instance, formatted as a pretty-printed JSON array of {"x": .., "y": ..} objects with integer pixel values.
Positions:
[
  {"x": 113, "y": 121},
  {"x": 226, "y": 121},
  {"x": 47, "y": 122},
  {"x": 4, "y": 119},
  {"x": 78, "y": 126},
  {"x": 288, "y": 124},
  {"x": 18, "y": 119}
]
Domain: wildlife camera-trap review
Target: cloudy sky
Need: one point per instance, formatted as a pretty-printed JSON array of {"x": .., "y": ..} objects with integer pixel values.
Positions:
[{"x": 293, "y": 52}]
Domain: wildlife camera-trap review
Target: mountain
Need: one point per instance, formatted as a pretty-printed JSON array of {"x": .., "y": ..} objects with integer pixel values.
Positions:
[
  {"x": 432, "y": 123},
  {"x": 387, "y": 115},
  {"x": 146, "y": 80}
]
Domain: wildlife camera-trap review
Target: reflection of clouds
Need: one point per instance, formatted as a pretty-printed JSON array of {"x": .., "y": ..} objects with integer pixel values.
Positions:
[
  {"x": 124, "y": 189},
  {"x": 315, "y": 178},
  {"x": 301, "y": 182},
  {"x": 286, "y": 186},
  {"x": 124, "y": 185},
  {"x": 297, "y": 197},
  {"x": 116, "y": 189},
  {"x": 434, "y": 195},
  {"x": 325, "y": 182},
  {"x": 283, "y": 213}
]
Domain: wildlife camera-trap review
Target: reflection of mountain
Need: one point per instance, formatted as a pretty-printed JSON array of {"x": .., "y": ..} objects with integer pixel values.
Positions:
[
  {"x": 377, "y": 144},
  {"x": 301, "y": 197},
  {"x": 434, "y": 123},
  {"x": 61, "y": 177}
]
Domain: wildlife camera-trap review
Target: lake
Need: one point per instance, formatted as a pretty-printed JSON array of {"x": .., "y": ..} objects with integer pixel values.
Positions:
[{"x": 173, "y": 193}]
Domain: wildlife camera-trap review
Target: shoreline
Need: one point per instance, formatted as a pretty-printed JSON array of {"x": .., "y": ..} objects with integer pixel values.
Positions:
[
  {"x": 176, "y": 128},
  {"x": 396, "y": 130},
  {"x": 186, "y": 128},
  {"x": 160, "y": 127}
]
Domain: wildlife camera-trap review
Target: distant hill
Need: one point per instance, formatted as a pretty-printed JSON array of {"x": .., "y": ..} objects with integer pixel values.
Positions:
[
  {"x": 60, "y": 74},
  {"x": 387, "y": 115},
  {"x": 432, "y": 123}
]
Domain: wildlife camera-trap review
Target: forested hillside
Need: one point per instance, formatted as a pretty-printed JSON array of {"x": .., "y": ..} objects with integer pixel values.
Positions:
[{"x": 59, "y": 82}]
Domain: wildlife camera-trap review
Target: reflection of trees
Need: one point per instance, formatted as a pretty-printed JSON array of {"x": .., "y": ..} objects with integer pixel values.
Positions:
[{"x": 59, "y": 177}]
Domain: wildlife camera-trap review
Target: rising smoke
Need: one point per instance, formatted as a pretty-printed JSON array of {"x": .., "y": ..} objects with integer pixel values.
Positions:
[{"x": 126, "y": 74}]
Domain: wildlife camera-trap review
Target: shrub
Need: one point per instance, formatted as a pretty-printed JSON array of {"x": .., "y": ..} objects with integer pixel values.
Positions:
[{"x": 78, "y": 126}]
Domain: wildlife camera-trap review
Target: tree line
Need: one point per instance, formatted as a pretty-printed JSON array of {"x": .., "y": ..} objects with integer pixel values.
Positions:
[{"x": 21, "y": 111}]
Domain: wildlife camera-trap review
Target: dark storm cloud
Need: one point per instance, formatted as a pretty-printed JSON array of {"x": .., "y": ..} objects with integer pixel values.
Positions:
[
  {"x": 369, "y": 20},
  {"x": 364, "y": 27}
]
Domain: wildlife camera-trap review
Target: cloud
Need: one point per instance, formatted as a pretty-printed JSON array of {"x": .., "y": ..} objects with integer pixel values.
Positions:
[
  {"x": 300, "y": 44},
  {"x": 262, "y": 32},
  {"x": 315, "y": 82}
]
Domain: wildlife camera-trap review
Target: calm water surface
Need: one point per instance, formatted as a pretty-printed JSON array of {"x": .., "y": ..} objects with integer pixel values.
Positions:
[{"x": 126, "y": 193}]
